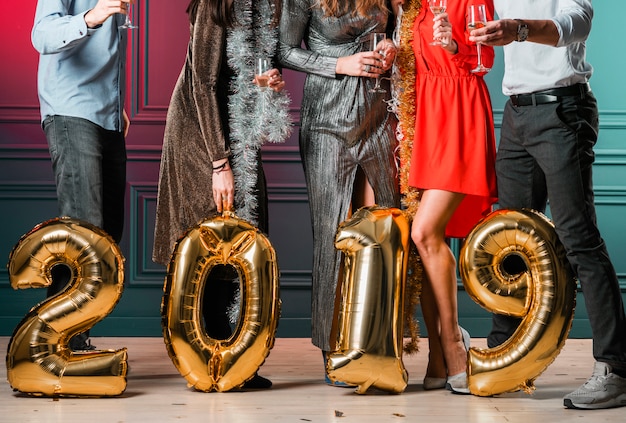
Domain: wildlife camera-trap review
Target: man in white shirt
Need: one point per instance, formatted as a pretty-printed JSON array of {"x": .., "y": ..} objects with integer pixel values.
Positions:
[{"x": 549, "y": 128}]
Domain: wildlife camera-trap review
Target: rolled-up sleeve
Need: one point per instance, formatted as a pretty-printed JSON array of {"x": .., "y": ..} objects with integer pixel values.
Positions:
[{"x": 573, "y": 21}]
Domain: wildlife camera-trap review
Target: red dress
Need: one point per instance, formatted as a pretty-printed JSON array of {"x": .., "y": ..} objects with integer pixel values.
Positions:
[{"x": 454, "y": 146}]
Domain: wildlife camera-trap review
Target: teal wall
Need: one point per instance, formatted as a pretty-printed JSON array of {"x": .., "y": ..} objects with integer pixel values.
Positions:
[{"x": 27, "y": 194}]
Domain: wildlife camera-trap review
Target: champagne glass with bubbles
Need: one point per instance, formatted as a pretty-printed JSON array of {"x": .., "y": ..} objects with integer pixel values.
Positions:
[
  {"x": 437, "y": 7},
  {"x": 477, "y": 18},
  {"x": 377, "y": 45},
  {"x": 261, "y": 66}
]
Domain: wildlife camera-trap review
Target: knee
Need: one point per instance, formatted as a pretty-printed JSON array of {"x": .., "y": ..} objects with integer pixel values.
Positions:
[
  {"x": 421, "y": 238},
  {"x": 429, "y": 242}
]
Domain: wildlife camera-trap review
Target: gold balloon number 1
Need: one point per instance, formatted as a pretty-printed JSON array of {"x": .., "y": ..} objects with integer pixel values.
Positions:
[
  {"x": 512, "y": 263},
  {"x": 368, "y": 352},
  {"x": 39, "y": 361}
]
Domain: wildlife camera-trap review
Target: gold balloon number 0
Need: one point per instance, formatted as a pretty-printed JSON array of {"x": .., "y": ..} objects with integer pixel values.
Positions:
[
  {"x": 206, "y": 363},
  {"x": 512, "y": 263},
  {"x": 39, "y": 361}
]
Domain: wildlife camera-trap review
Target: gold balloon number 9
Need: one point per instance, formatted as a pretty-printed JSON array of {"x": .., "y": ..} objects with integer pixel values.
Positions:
[
  {"x": 210, "y": 364},
  {"x": 512, "y": 263},
  {"x": 38, "y": 359}
]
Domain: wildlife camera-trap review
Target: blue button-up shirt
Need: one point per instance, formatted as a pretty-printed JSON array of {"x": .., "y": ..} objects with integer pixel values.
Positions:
[{"x": 81, "y": 70}]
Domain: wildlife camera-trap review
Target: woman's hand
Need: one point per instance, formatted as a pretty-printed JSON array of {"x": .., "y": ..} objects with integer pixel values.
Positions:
[
  {"x": 272, "y": 78},
  {"x": 276, "y": 80},
  {"x": 223, "y": 185},
  {"x": 389, "y": 52},
  {"x": 367, "y": 63},
  {"x": 442, "y": 31}
]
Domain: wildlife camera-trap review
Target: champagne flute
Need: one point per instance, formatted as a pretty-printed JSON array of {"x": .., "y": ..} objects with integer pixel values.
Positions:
[
  {"x": 477, "y": 18},
  {"x": 377, "y": 40},
  {"x": 437, "y": 7},
  {"x": 128, "y": 23},
  {"x": 262, "y": 65}
]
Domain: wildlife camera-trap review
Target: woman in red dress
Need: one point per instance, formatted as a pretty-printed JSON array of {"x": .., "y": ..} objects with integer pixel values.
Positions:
[{"x": 452, "y": 164}]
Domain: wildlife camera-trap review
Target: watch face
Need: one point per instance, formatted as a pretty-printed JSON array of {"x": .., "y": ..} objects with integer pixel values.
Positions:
[{"x": 522, "y": 32}]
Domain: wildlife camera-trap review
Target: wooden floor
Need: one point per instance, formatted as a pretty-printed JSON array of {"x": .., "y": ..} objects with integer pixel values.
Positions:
[{"x": 156, "y": 392}]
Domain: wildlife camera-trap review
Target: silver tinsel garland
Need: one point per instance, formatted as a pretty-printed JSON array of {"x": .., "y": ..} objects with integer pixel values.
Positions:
[{"x": 257, "y": 115}]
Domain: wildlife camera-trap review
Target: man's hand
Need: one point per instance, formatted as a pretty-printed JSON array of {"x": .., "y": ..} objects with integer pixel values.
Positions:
[
  {"x": 104, "y": 9},
  {"x": 495, "y": 33}
]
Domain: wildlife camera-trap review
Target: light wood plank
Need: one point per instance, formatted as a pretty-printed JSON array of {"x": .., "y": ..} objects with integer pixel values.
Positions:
[{"x": 156, "y": 392}]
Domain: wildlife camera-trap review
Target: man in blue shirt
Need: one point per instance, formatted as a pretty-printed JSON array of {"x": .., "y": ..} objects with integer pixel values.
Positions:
[
  {"x": 81, "y": 85},
  {"x": 549, "y": 128}
]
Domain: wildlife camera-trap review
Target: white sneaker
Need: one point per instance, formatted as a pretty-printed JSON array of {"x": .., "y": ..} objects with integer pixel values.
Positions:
[{"x": 603, "y": 389}]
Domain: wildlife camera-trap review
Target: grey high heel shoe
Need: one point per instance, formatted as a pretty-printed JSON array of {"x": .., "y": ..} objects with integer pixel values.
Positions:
[{"x": 458, "y": 383}]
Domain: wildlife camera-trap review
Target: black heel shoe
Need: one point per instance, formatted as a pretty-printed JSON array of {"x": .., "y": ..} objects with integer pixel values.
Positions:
[{"x": 257, "y": 382}]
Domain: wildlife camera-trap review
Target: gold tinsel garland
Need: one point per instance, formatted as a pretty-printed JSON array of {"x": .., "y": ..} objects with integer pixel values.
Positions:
[
  {"x": 405, "y": 61},
  {"x": 404, "y": 88}
]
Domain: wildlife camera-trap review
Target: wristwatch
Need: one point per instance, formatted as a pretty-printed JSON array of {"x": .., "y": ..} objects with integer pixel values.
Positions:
[{"x": 522, "y": 31}]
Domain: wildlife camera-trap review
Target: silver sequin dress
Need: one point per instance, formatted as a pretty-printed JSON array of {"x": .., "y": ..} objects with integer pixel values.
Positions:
[{"x": 343, "y": 127}]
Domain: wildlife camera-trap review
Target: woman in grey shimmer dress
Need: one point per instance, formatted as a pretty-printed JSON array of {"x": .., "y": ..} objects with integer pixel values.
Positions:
[{"x": 345, "y": 130}]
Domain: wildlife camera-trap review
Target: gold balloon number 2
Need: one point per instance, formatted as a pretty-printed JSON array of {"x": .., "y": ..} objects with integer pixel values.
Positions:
[
  {"x": 39, "y": 361},
  {"x": 512, "y": 263},
  {"x": 210, "y": 364}
]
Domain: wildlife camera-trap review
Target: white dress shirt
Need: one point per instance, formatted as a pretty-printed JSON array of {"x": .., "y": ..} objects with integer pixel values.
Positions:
[{"x": 531, "y": 67}]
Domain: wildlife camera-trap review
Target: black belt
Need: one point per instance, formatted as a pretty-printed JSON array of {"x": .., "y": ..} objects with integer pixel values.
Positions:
[{"x": 550, "y": 96}]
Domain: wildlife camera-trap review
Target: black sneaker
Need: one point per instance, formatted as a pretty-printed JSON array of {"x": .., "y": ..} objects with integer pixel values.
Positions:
[{"x": 81, "y": 342}]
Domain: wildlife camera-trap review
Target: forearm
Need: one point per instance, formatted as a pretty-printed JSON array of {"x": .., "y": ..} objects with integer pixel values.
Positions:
[
  {"x": 302, "y": 60},
  {"x": 539, "y": 31}
]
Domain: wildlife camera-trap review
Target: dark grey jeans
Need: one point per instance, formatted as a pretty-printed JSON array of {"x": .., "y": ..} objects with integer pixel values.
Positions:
[
  {"x": 89, "y": 165},
  {"x": 546, "y": 152}
]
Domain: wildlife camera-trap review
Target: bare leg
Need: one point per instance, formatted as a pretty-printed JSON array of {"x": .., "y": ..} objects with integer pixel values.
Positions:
[
  {"x": 363, "y": 193},
  {"x": 436, "y": 361},
  {"x": 428, "y": 234}
]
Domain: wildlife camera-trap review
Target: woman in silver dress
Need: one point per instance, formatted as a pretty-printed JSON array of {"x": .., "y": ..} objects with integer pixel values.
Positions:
[{"x": 346, "y": 134}]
